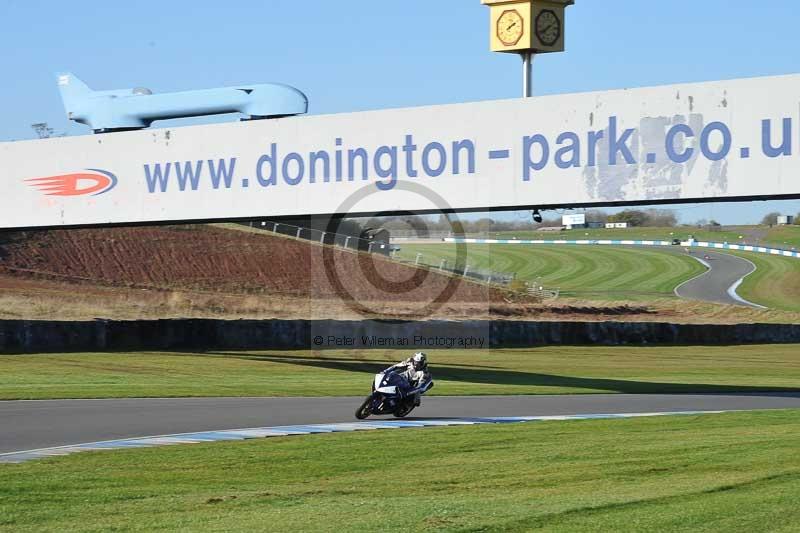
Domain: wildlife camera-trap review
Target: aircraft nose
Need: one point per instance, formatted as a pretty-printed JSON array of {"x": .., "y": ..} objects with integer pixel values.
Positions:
[{"x": 276, "y": 100}]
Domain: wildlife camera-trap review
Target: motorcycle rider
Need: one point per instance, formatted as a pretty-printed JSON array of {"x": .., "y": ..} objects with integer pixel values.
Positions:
[{"x": 415, "y": 371}]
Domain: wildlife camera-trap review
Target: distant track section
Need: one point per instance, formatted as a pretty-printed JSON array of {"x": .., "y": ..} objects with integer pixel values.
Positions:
[
  {"x": 719, "y": 283},
  {"x": 594, "y": 273}
]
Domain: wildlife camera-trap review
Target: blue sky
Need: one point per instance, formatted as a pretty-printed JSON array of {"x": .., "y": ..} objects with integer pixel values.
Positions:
[{"x": 368, "y": 54}]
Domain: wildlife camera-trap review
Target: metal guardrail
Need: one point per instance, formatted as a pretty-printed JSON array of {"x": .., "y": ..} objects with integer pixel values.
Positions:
[
  {"x": 537, "y": 290},
  {"x": 357, "y": 244},
  {"x": 340, "y": 240},
  {"x": 465, "y": 270},
  {"x": 486, "y": 276},
  {"x": 415, "y": 234}
]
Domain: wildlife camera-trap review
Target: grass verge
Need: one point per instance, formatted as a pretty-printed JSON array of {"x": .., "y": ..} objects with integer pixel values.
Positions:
[
  {"x": 730, "y": 472},
  {"x": 545, "y": 370},
  {"x": 775, "y": 283}
]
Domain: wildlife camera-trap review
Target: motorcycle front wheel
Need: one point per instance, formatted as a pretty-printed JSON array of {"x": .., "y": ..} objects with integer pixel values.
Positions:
[{"x": 365, "y": 409}]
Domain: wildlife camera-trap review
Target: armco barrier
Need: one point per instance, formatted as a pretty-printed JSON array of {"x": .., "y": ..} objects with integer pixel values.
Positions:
[
  {"x": 29, "y": 336},
  {"x": 623, "y": 242}
]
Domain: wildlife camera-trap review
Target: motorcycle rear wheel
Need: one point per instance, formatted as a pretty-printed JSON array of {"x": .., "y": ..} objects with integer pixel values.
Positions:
[
  {"x": 403, "y": 409},
  {"x": 365, "y": 409}
]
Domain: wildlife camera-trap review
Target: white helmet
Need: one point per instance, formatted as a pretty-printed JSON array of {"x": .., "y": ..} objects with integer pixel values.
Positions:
[{"x": 420, "y": 361}]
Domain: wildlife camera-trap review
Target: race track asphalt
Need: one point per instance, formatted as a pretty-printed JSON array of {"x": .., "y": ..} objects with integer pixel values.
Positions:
[
  {"x": 32, "y": 424},
  {"x": 719, "y": 282}
]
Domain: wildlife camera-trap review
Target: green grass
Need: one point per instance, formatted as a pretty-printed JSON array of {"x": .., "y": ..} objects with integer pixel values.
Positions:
[
  {"x": 729, "y": 472},
  {"x": 778, "y": 236},
  {"x": 774, "y": 284},
  {"x": 604, "y": 273},
  {"x": 783, "y": 236},
  {"x": 545, "y": 370}
]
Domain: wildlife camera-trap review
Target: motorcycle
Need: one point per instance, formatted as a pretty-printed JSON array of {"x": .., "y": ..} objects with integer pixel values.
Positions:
[{"x": 389, "y": 397}]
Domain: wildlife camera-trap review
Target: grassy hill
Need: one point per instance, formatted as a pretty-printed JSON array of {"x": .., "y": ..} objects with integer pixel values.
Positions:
[
  {"x": 215, "y": 272},
  {"x": 209, "y": 271},
  {"x": 590, "y": 273}
]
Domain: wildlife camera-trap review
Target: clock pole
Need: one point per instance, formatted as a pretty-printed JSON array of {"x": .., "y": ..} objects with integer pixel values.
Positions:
[{"x": 527, "y": 74}]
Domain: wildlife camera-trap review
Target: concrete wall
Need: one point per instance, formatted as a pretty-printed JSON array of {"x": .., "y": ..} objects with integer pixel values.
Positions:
[{"x": 29, "y": 336}]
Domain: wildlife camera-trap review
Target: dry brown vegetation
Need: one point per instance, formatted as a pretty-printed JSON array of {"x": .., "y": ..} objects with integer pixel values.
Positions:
[{"x": 212, "y": 271}]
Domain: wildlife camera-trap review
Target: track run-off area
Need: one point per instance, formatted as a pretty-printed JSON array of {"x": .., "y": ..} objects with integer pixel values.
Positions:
[
  {"x": 500, "y": 421},
  {"x": 126, "y": 393}
]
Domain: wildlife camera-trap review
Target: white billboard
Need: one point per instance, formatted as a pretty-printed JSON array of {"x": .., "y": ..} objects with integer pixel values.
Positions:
[
  {"x": 730, "y": 139},
  {"x": 573, "y": 220}
]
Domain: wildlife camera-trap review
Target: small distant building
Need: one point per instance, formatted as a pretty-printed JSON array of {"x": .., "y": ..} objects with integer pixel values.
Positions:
[
  {"x": 785, "y": 220},
  {"x": 375, "y": 240},
  {"x": 595, "y": 225}
]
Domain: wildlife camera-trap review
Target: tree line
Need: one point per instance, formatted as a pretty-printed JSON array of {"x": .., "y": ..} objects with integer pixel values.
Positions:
[
  {"x": 771, "y": 219},
  {"x": 655, "y": 218},
  {"x": 447, "y": 223},
  {"x": 432, "y": 224}
]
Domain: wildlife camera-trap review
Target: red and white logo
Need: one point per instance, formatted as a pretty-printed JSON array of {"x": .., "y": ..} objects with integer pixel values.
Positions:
[{"x": 92, "y": 182}]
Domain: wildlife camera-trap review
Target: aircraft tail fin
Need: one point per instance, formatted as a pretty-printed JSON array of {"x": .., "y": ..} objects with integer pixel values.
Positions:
[{"x": 72, "y": 90}]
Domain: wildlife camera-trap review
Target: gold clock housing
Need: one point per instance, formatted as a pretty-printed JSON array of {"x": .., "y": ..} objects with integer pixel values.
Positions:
[{"x": 522, "y": 26}]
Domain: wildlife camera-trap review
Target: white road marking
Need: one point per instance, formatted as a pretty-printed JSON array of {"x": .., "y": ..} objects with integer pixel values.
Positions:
[
  {"x": 732, "y": 290},
  {"x": 267, "y": 432},
  {"x": 708, "y": 271}
]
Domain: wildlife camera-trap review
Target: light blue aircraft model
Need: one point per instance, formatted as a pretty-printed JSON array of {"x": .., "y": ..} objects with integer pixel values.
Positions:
[{"x": 132, "y": 109}]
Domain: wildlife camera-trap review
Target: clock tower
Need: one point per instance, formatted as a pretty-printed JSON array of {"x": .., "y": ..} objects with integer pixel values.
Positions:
[{"x": 527, "y": 27}]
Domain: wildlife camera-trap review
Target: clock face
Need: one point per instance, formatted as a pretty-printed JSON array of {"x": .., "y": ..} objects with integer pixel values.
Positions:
[
  {"x": 548, "y": 27},
  {"x": 510, "y": 27}
]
